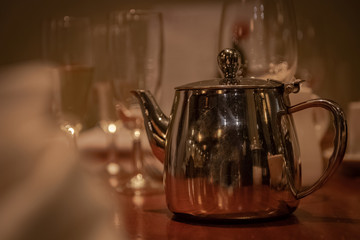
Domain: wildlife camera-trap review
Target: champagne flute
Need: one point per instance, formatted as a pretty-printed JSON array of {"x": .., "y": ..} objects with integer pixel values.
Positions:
[
  {"x": 136, "y": 57},
  {"x": 264, "y": 32},
  {"x": 102, "y": 86},
  {"x": 67, "y": 44}
]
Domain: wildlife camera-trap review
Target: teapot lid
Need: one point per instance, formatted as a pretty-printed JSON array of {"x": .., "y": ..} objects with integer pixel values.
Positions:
[{"x": 229, "y": 63}]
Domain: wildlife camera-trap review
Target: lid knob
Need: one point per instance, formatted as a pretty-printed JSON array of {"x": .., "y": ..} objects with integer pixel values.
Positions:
[{"x": 229, "y": 62}]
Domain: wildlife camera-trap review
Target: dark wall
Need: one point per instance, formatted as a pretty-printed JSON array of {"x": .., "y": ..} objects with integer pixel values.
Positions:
[{"x": 335, "y": 45}]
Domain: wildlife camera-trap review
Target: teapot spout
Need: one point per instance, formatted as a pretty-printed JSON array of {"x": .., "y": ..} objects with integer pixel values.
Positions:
[{"x": 155, "y": 121}]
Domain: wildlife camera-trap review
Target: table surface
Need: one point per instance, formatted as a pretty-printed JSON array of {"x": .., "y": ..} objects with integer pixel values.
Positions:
[{"x": 333, "y": 212}]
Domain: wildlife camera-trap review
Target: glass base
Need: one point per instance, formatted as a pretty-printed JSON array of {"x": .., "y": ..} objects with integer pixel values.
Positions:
[{"x": 140, "y": 185}]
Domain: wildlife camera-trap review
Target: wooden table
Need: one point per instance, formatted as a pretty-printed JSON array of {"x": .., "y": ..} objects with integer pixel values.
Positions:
[{"x": 333, "y": 212}]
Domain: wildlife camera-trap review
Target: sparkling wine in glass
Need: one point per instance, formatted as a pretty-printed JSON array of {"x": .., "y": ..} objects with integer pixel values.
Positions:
[
  {"x": 67, "y": 45},
  {"x": 136, "y": 58}
]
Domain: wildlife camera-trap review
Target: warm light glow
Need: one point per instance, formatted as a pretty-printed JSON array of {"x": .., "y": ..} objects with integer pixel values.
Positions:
[
  {"x": 219, "y": 133},
  {"x": 138, "y": 181},
  {"x": 70, "y": 129},
  {"x": 251, "y": 25},
  {"x": 199, "y": 199},
  {"x": 199, "y": 137},
  {"x": 113, "y": 168},
  {"x": 112, "y": 128},
  {"x": 137, "y": 133}
]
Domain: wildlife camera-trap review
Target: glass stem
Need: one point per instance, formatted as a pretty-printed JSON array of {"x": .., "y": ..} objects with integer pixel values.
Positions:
[
  {"x": 72, "y": 134},
  {"x": 72, "y": 139},
  {"x": 75, "y": 140},
  {"x": 112, "y": 148},
  {"x": 137, "y": 153}
]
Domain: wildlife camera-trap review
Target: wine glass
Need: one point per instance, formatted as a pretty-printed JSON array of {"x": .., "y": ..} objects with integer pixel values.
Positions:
[
  {"x": 67, "y": 44},
  {"x": 264, "y": 32},
  {"x": 107, "y": 119},
  {"x": 135, "y": 39}
]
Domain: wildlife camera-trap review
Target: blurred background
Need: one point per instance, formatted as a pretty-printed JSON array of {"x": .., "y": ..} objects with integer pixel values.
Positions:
[{"x": 328, "y": 37}]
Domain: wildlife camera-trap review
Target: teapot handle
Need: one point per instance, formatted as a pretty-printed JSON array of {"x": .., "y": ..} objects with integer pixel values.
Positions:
[
  {"x": 340, "y": 140},
  {"x": 322, "y": 121}
]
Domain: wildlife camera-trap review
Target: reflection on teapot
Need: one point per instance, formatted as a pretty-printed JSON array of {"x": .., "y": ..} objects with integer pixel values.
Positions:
[{"x": 229, "y": 146}]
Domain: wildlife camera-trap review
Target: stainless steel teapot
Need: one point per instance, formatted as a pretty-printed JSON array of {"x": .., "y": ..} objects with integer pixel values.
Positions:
[{"x": 229, "y": 147}]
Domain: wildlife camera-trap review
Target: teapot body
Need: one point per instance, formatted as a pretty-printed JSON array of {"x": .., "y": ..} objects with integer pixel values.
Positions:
[
  {"x": 230, "y": 149},
  {"x": 231, "y": 154}
]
